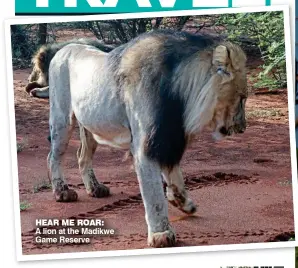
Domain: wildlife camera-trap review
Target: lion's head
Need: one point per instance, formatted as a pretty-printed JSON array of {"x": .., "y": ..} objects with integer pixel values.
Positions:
[
  {"x": 228, "y": 68},
  {"x": 39, "y": 75}
]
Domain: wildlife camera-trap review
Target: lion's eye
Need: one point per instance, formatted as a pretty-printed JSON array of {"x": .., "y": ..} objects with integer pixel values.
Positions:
[{"x": 221, "y": 70}]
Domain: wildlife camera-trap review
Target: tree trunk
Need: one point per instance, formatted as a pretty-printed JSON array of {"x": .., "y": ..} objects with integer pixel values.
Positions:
[
  {"x": 158, "y": 22},
  {"x": 42, "y": 34},
  {"x": 142, "y": 26},
  {"x": 119, "y": 31}
]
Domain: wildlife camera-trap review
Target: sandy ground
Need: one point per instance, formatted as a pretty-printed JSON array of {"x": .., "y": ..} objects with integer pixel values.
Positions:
[{"x": 242, "y": 185}]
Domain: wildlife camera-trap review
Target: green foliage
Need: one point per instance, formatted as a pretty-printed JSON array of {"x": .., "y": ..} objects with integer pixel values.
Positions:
[
  {"x": 23, "y": 45},
  {"x": 24, "y": 206},
  {"x": 266, "y": 30},
  {"x": 122, "y": 31},
  {"x": 26, "y": 39}
]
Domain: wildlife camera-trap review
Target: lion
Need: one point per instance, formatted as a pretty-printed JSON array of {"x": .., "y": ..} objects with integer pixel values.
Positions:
[
  {"x": 38, "y": 85},
  {"x": 149, "y": 96}
]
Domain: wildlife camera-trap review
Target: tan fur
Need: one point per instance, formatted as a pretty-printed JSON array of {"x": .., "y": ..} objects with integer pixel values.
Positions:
[
  {"x": 39, "y": 75},
  {"x": 215, "y": 100},
  {"x": 134, "y": 58}
]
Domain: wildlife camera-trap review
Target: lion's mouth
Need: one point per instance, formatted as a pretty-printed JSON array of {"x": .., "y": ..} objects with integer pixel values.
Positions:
[
  {"x": 226, "y": 131},
  {"x": 231, "y": 130}
]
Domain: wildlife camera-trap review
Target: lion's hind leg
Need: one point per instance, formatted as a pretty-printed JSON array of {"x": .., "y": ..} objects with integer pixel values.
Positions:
[
  {"x": 176, "y": 192},
  {"x": 85, "y": 155},
  {"x": 61, "y": 131}
]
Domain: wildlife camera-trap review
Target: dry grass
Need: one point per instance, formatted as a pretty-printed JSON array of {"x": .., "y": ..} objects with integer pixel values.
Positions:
[
  {"x": 21, "y": 145},
  {"x": 42, "y": 185},
  {"x": 264, "y": 113}
]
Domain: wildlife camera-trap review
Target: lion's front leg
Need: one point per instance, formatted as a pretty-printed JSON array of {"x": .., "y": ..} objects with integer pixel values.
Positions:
[
  {"x": 160, "y": 233},
  {"x": 176, "y": 192}
]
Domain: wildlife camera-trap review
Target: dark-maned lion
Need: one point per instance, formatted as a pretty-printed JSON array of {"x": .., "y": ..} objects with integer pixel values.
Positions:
[
  {"x": 149, "y": 96},
  {"x": 38, "y": 79}
]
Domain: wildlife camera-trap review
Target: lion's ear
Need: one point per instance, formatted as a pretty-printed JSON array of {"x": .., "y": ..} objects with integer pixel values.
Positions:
[
  {"x": 221, "y": 59},
  {"x": 220, "y": 56},
  {"x": 229, "y": 55}
]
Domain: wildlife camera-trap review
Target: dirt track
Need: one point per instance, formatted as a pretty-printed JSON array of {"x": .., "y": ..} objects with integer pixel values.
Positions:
[{"x": 241, "y": 184}]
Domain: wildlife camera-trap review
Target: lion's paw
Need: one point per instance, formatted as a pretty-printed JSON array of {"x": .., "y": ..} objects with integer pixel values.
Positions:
[
  {"x": 99, "y": 190},
  {"x": 33, "y": 92},
  {"x": 162, "y": 239},
  {"x": 42, "y": 93},
  {"x": 189, "y": 207},
  {"x": 66, "y": 195}
]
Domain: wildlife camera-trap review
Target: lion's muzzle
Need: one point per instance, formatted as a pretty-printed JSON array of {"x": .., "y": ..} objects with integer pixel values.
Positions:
[{"x": 239, "y": 128}]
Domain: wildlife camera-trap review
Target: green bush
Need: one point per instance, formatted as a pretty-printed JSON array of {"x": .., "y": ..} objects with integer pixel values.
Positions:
[
  {"x": 23, "y": 45},
  {"x": 266, "y": 30},
  {"x": 24, "y": 206}
]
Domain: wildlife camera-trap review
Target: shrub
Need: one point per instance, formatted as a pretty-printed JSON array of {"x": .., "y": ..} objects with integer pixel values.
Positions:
[{"x": 266, "y": 29}]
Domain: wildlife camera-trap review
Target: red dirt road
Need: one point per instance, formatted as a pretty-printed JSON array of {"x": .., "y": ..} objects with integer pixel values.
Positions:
[{"x": 242, "y": 185}]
